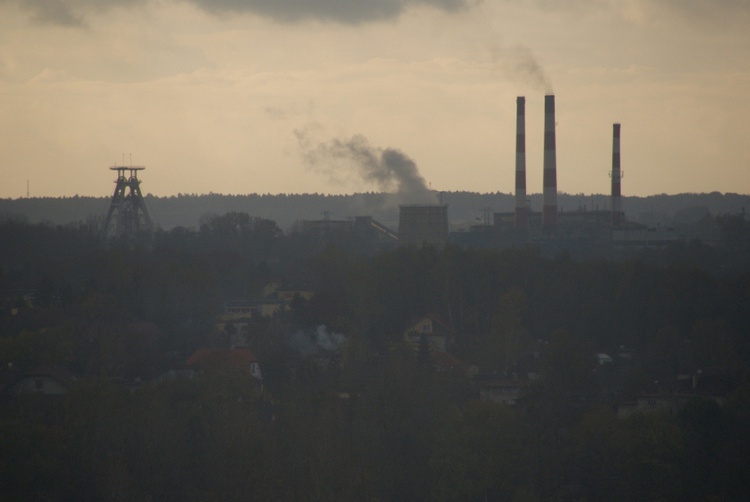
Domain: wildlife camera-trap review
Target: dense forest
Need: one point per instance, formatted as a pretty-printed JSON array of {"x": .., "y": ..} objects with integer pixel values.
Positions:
[
  {"x": 465, "y": 208},
  {"x": 373, "y": 418}
]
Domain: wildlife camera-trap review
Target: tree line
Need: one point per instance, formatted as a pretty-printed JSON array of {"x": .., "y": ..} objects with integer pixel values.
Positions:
[{"x": 186, "y": 210}]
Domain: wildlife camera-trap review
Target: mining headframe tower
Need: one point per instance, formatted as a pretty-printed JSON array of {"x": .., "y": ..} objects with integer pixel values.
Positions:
[{"x": 127, "y": 216}]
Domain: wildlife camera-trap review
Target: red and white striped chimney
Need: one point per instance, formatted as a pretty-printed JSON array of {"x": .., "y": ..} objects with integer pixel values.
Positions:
[
  {"x": 617, "y": 215},
  {"x": 521, "y": 205},
  {"x": 549, "y": 205}
]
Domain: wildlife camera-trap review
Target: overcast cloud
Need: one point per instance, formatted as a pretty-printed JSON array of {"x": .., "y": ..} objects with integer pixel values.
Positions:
[
  {"x": 208, "y": 94},
  {"x": 700, "y": 12}
]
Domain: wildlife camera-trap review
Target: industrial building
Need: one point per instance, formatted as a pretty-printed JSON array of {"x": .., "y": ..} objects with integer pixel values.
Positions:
[
  {"x": 584, "y": 231},
  {"x": 360, "y": 233},
  {"x": 420, "y": 225}
]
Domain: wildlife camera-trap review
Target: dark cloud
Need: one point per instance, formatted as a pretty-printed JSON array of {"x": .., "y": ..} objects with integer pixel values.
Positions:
[
  {"x": 54, "y": 12},
  {"x": 341, "y": 11},
  {"x": 73, "y": 12},
  {"x": 69, "y": 12}
]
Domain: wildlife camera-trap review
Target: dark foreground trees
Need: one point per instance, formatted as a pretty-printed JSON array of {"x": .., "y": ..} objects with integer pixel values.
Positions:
[
  {"x": 215, "y": 438},
  {"x": 374, "y": 420}
]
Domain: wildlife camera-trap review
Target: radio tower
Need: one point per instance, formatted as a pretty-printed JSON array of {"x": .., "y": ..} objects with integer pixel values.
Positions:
[{"x": 127, "y": 217}]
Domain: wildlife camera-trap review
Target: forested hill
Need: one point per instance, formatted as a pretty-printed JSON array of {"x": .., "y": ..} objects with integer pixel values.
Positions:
[{"x": 465, "y": 208}]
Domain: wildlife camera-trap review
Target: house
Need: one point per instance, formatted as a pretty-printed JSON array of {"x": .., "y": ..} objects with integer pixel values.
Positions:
[
  {"x": 270, "y": 308},
  {"x": 661, "y": 403},
  {"x": 430, "y": 328},
  {"x": 243, "y": 310},
  {"x": 671, "y": 394},
  {"x": 203, "y": 359},
  {"x": 239, "y": 310},
  {"x": 45, "y": 380},
  {"x": 233, "y": 324},
  {"x": 277, "y": 298},
  {"x": 506, "y": 391},
  {"x": 285, "y": 292}
]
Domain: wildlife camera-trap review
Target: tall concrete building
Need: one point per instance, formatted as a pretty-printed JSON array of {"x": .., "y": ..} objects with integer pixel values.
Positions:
[{"x": 420, "y": 225}]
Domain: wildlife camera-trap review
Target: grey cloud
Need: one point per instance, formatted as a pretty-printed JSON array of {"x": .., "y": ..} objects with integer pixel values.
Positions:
[
  {"x": 54, "y": 12},
  {"x": 69, "y": 12},
  {"x": 698, "y": 13},
  {"x": 342, "y": 11},
  {"x": 709, "y": 13},
  {"x": 73, "y": 12}
]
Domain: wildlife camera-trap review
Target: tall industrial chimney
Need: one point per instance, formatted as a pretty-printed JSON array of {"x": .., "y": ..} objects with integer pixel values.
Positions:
[
  {"x": 617, "y": 215},
  {"x": 549, "y": 208},
  {"x": 521, "y": 205}
]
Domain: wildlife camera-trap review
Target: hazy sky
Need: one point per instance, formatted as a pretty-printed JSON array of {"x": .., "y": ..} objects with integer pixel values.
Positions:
[{"x": 237, "y": 96}]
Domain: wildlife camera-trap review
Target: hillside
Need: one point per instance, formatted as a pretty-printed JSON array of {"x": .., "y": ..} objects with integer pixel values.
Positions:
[{"x": 465, "y": 208}]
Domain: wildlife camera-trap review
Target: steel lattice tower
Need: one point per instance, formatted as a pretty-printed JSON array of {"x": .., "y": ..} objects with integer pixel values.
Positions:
[{"x": 127, "y": 216}]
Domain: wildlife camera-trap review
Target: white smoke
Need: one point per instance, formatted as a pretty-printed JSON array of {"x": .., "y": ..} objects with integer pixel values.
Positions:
[{"x": 317, "y": 341}]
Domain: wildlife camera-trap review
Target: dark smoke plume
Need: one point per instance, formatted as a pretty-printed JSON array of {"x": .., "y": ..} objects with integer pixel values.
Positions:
[
  {"x": 525, "y": 64},
  {"x": 521, "y": 64},
  {"x": 389, "y": 169}
]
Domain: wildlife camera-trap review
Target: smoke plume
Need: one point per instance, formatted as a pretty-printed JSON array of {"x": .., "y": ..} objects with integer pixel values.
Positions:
[
  {"x": 309, "y": 343},
  {"x": 521, "y": 64},
  {"x": 389, "y": 169}
]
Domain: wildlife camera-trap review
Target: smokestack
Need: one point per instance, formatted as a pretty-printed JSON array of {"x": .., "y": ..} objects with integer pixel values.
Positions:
[
  {"x": 549, "y": 208},
  {"x": 617, "y": 215},
  {"x": 521, "y": 206}
]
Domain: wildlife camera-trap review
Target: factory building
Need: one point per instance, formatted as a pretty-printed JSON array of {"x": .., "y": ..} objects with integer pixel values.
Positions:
[
  {"x": 421, "y": 225},
  {"x": 584, "y": 231}
]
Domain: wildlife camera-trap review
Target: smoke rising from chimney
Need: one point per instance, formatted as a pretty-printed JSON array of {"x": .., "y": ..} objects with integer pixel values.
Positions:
[
  {"x": 522, "y": 65},
  {"x": 388, "y": 168}
]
